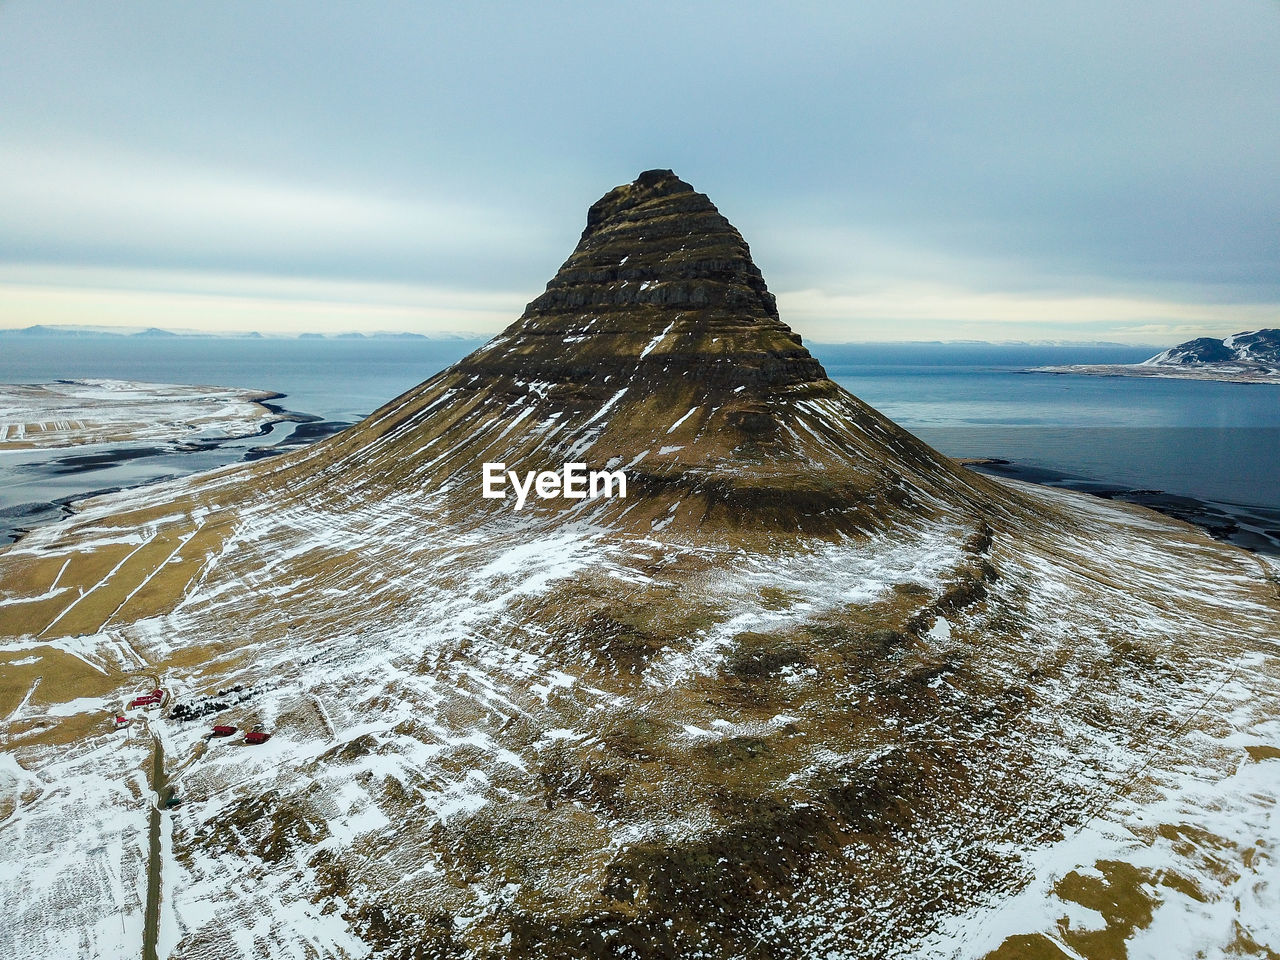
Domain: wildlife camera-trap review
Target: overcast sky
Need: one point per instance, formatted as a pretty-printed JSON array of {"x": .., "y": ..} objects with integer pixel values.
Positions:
[{"x": 1078, "y": 171}]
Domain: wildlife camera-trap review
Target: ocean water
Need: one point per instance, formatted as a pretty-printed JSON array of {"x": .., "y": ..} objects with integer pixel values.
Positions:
[
  {"x": 1202, "y": 439},
  {"x": 334, "y": 379},
  {"x": 338, "y": 381},
  {"x": 1214, "y": 442}
]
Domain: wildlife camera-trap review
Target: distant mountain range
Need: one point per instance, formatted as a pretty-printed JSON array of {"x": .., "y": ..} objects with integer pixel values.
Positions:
[
  {"x": 1259, "y": 348},
  {"x": 43, "y": 330},
  {"x": 78, "y": 330}
]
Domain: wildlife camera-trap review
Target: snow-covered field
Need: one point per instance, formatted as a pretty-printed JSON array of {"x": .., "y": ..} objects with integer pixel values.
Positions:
[
  {"x": 426, "y": 711},
  {"x": 75, "y": 412},
  {"x": 1047, "y": 726}
]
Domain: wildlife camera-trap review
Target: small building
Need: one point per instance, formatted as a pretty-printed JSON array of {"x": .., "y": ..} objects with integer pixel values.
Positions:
[
  {"x": 257, "y": 736},
  {"x": 223, "y": 729},
  {"x": 152, "y": 699}
]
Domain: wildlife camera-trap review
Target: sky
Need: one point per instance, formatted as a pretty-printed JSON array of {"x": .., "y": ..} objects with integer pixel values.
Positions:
[{"x": 1083, "y": 171}]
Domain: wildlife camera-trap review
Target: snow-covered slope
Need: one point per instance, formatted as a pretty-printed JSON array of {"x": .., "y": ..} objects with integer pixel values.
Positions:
[
  {"x": 1256, "y": 350},
  {"x": 809, "y": 689}
]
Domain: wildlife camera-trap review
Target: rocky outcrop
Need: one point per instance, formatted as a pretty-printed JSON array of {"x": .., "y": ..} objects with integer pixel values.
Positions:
[{"x": 1200, "y": 350}]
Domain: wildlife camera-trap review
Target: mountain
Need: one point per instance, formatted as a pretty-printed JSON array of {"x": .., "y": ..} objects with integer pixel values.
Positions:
[
  {"x": 658, "y": 348},
  {"x": 1256, "y": 349},
  {"x": 808, "y": 689},
  {"x": 1252, "y": 357},
  {"x": 44, "y": 330}
]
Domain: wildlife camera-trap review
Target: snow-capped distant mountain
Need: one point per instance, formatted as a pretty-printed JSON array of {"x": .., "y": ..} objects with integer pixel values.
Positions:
[
  {"x": 1259, "y": 348},
  {"x": 1250, "y": 357},
  {"x": 1260, "y": 345}
]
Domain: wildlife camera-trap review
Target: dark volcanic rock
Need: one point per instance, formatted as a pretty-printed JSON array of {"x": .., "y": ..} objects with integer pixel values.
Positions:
[{"x": 660, "y": 284}]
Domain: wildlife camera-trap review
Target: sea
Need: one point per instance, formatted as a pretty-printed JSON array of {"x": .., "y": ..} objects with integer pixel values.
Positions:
[{"x": 1203, "y": 450}]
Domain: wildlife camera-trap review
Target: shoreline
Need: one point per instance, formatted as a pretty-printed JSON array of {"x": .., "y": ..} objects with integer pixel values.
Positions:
[
  {"x": 1138, "y": 371},
  {"x": 1249, "y": 526},
  {"x": 72, "y": 413},
  {"x": 159, "y": 461}
]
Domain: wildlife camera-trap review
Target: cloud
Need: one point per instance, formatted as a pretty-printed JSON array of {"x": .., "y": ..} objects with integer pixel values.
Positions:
[
  {"x": 242, "y": 303},
  {"x": 1085, "y": 150},
  {"x": 949, "y": 313},
  {"x": 109, "y": 208}
]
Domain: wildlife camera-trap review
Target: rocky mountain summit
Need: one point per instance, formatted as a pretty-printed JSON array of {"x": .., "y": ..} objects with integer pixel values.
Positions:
[
  {"x": 808, "y": 689},
  {"x": 660, "y": 285}
]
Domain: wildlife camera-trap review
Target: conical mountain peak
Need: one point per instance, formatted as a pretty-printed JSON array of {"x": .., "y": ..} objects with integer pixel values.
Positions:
[
  {"x": 657, "y": 243},
  {"x": 806, "y": 685},
  {"x": 659, "y": 285},
  {"x": 657, "y": 348}
]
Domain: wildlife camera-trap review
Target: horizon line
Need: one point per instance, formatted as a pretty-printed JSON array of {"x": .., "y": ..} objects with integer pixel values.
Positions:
[{"x": 125, "y": 331}]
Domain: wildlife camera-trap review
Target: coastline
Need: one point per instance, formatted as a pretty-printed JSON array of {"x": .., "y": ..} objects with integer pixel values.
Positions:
[
  {"x": 40, "y": 480},
  {"x": 1227, "y": 374},
  {"x": 1248, "y": 526},
  {"x": 75, "y": 413}
]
